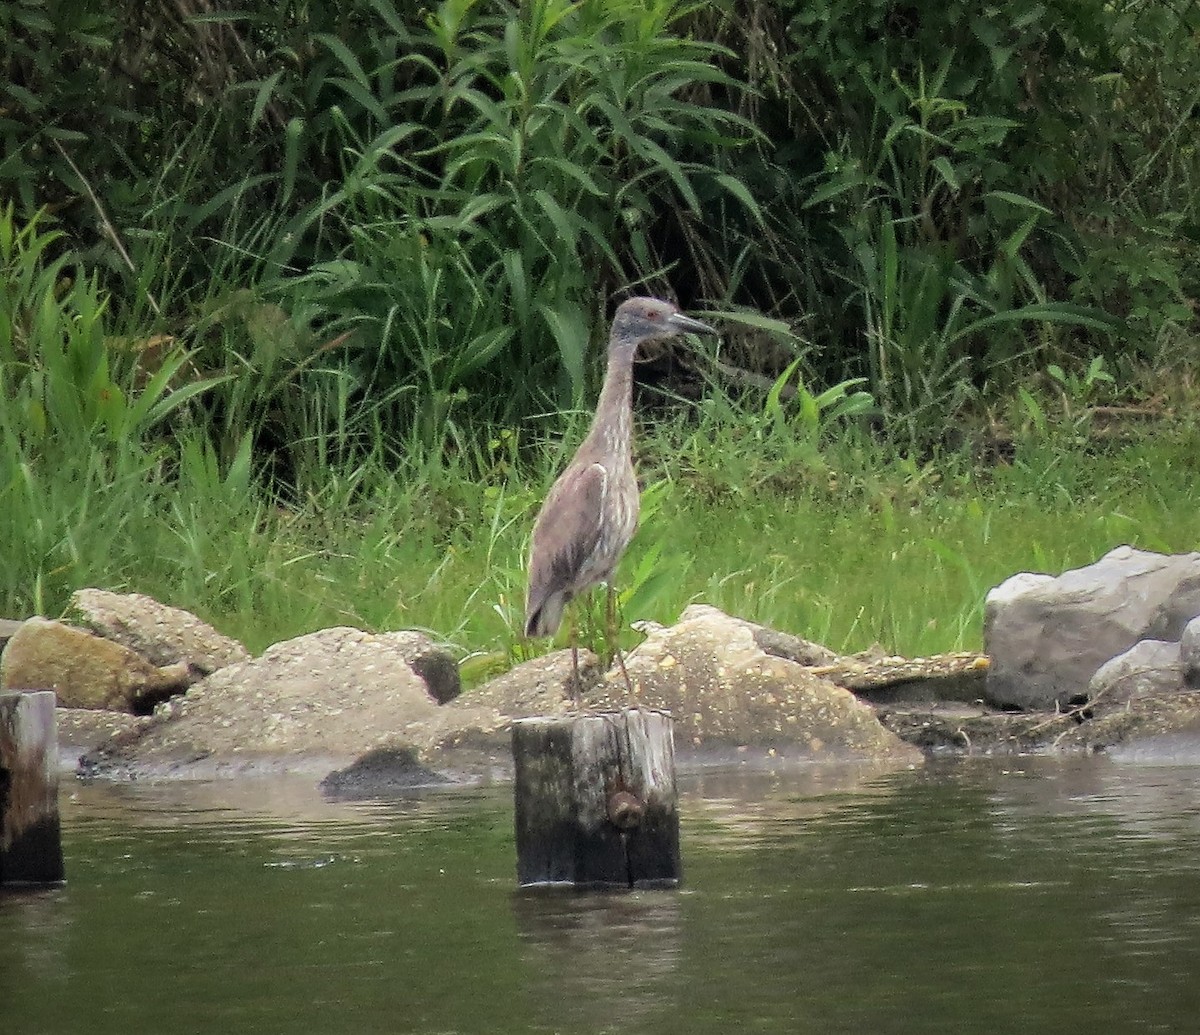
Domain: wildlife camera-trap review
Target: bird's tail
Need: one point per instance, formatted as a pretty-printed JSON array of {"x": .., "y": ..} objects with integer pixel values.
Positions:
[{"x": 545, "y": 618}]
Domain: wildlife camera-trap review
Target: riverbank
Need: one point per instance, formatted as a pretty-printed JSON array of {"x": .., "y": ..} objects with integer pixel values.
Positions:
[
  {"x": 368, "y": 715},
  {"x": 852, "y": 546}
]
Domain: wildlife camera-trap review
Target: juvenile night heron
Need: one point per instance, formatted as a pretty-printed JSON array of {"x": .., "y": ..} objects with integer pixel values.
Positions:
[{"x": 591, "y": 511}]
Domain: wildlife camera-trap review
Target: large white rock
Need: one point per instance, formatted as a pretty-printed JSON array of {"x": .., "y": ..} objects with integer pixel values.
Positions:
[
  {"x": 710, "y": 671},
  {"x": 1047, "y": 637}
]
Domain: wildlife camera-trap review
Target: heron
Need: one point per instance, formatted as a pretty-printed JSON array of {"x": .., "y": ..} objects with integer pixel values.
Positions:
[{"x": 591, "y": 511}]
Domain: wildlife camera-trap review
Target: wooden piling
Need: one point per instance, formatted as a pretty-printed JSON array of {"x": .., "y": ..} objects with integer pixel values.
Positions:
[
  {"x": 595, "y": 800},
  {"x": 30, "y": 837}
]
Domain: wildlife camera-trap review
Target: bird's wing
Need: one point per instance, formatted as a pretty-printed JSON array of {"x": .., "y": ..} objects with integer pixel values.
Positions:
[{"x": 565, "y": 536}]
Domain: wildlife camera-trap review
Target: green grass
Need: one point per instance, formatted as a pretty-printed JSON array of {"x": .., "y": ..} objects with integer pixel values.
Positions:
[
  {"x": 883, "y": 551},
  {"x": 850, "y": 547}
]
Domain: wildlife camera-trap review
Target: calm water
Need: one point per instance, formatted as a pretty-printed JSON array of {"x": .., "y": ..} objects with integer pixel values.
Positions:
[{"x": 994, "y": 896}]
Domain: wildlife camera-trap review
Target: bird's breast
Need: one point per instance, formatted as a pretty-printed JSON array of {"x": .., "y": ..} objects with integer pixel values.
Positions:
[{"x": 619, "y": 509}]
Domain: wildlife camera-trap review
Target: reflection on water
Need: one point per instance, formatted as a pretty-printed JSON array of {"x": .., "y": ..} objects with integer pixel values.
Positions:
[
  {"x": 1007, "y": 895},
  {"x": 600, "y": 958},
  {"x": 1155, "y": 800},
  {"x": 744, "y": 806}
]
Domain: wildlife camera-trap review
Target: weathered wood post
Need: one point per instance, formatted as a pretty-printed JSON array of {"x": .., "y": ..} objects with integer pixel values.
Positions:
[
  {"x": 595, "y": 800},
  {"x": 30, "y": 838}
]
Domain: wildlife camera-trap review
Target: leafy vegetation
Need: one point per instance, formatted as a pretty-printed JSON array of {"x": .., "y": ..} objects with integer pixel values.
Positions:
[
  {"x": 939, "y": 200},
  {"x": 852, "y": 540},
  {"x": 300, "y": 306}
]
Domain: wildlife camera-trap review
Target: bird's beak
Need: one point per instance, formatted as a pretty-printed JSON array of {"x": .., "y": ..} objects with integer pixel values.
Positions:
[{"x": 686, "y": 323}]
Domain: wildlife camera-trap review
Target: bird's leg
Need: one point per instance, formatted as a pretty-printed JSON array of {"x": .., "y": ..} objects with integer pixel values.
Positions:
[
  {"x": 576, "y": 682},
  {"x": 611, "y": 633},
  {"x": 610, "y": 619}
]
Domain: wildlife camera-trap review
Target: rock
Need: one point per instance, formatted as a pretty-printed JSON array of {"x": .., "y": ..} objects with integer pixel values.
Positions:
[
  {"x": 162, "y": 635},
  {"x": 306, "y": 705},
  {"x": 1145, "y": 719},
  {"x": 1149, "y": 667},
  {"x": 84, "y": 670},
  {"x": 723, "y": 689},
  {"x": 460, "y": 743},
  {"x": 81, "y": 730},
  {"x": 7, "y": 628},
  {"x": 1189, "y": 654},
  {"x": 973, "y": 729},
  {"x": 432, "y": 663},
  {"x": 380, "y": 772},
  {"x": 1046, "y": 636},
  {"x": 772, "y": 641},
  {"x": 980, "y": 730},
  {"x": 541, "y": 686},
  {"x": 887, "y": 679}
]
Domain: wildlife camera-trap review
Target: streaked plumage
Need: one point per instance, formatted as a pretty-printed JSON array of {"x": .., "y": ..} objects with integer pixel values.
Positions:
[{"x": 591, "y": 511}]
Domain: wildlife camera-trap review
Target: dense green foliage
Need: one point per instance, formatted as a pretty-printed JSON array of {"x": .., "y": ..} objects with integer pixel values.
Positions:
[
  {"x": 966, "y": 165},
  {"x": 923, "y": 194},
  {"x": 295, "y": 297}
]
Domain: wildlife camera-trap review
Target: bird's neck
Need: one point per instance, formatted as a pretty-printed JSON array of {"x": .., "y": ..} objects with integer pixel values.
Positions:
[{"x": 611, "y": 432}]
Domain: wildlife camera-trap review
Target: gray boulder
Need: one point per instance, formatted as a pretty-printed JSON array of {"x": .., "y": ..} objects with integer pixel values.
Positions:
[
  {"x": 540, "y": 686},
  {"x": 167, "y": 635},
  {"x": 81, "y": 730},
  {"x": 772, "y": 641},
  {"x": 1149, "y": 668},
  {"x": 1047, "y": 636},
  {"x": 381, "y": 772},
  {"x": 1189, "y": 654}
]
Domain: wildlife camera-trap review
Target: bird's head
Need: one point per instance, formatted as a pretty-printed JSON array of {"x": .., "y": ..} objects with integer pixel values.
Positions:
[{"x": 646, "y": 319}]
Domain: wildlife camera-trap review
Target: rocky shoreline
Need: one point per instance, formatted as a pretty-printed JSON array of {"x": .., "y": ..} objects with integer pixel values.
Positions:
[{"x": 150, "y": 692}]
